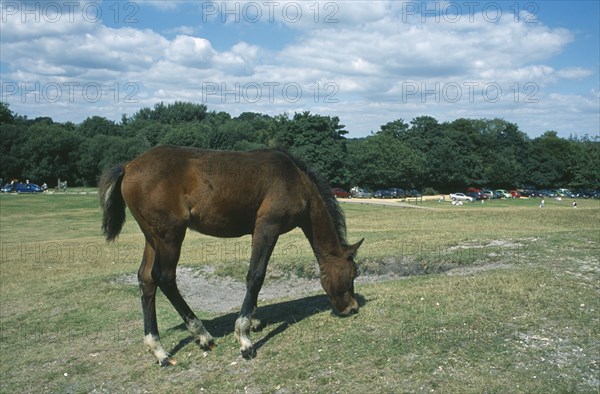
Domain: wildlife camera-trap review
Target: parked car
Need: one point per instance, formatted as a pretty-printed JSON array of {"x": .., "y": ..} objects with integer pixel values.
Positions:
[
  {"x": 528, "y": 193},
  {"x": 340, "y": 193},
  {"x": 382, "y": 194},
  {"x": 538, "y": 193},
  {"x": 397, "y": 192},
  {"x": 546, "y": 193},
  {"x": 360, "y": 193},
  {"x": 584, "y": 193},
  {"x": 413, "y": 193},
  {"x": 581, "y": 193},
  {"x": 503, "y": 193},
  {"x": 515, "y": 194},
  {"x": 460, "y": 197},
  {"x": 562, "y": 192},
  {"x": 21, "y": 188},
  {"x": 565, "y": 193},
  {"x": 477, "y": 195},
  {"x": 489, "y": 193}
]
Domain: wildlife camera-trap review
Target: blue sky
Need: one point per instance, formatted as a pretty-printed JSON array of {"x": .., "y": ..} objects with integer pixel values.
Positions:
[{"x": 534, "y": 63}]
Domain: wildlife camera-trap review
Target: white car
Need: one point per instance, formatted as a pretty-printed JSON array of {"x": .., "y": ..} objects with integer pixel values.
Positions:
[
  {"x": 503, "y": 193},
  {"x": 460, "y": 197}
]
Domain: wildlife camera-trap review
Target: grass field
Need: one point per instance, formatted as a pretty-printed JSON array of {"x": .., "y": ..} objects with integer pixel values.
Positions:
[{"x": 500, "y": 297}]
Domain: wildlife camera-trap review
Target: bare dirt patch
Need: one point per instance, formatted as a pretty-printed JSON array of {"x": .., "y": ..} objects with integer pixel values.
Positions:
[{"x": 207, "y": 292}]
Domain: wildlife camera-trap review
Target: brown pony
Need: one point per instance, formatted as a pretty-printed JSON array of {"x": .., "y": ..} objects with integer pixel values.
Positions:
[{"x": 225, "y": 194}]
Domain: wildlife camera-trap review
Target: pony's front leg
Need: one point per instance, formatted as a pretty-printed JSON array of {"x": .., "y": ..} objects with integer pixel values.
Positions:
[
  {"x": 203, "y": 337},
  {"x": 243, "y": 324},
  {"x": 263, "y": 242}
]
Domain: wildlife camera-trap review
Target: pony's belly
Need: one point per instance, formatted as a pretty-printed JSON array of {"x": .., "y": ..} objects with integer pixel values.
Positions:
[{"x": 221, "y": 227}]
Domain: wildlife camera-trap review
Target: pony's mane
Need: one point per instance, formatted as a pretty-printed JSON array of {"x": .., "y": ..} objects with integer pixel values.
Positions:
[{"x": 333, "y": 207}]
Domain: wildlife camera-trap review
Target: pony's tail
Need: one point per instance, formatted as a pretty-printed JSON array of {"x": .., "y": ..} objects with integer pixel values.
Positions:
[{"x": 112, "y": 203}]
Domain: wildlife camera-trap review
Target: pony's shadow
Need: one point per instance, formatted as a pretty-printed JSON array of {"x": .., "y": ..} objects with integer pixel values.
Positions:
[{"x": 282, "y": 315}]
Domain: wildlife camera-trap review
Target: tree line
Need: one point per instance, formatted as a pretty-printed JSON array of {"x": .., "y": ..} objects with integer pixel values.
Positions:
[{"x": 421, "y": 153}]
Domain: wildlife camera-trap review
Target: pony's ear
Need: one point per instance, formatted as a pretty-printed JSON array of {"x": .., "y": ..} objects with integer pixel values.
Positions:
[{"x": 352, "y": 249}]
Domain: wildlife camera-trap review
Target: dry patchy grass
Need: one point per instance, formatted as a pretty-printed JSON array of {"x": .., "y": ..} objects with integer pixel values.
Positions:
[{"x": 519, "y": 313}]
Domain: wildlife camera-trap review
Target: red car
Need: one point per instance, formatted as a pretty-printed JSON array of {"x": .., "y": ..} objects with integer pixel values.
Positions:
[
  {"x": 341, "y": 193},
  {"x": 515, "y": 194}
]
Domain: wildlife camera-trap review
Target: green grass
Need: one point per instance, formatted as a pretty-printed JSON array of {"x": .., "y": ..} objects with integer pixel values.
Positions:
[{"x": 500, "y": 297}]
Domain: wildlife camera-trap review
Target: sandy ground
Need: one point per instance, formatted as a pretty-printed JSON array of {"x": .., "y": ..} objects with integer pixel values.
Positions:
[
  {"x": 206, "y": 292},
  {"x": 395, "y": 202}
]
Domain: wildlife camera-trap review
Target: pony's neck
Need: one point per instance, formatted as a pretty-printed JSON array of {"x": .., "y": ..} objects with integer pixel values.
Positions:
[{"x": 321, "y": 231}]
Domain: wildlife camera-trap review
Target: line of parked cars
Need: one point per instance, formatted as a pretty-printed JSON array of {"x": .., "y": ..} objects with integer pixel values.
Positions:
[
  {"x": 566, "y": 193},
  {"x": 474, "y": 194},
  {"x": 396, "y": 192},
  {"x": 358, "y": 192}
]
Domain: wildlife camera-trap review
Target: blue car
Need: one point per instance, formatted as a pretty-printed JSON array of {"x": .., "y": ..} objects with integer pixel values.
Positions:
[
  {"x": 383, "y": 194},
  {"x": 21, "y": 188}
]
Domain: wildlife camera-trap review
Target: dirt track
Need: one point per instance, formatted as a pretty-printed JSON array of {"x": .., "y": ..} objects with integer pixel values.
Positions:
[{"x": 388, "y": 202}]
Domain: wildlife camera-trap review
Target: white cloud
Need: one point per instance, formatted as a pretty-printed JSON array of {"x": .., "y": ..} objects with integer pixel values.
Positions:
[
  {"x": 190, "y": 51},
  {"x": 368, "y": 62},
  {"x": 574, "y": 73},
  {"x": 184, "y": 30}
]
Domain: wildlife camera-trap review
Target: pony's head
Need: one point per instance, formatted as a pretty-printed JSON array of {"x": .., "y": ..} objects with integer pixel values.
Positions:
[{"x": 337, "y": 279}]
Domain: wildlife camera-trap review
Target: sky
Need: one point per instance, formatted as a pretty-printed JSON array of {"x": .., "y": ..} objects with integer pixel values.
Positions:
[{"x": 533, "y": 63}]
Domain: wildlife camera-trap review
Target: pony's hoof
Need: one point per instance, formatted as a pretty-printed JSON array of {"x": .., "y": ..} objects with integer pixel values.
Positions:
[
  {"x": 212, "y": 345},
  {"x": 257, "y": 325},
  {"x": 167, "y": 362},
  {"x": 248, "y": 353}
]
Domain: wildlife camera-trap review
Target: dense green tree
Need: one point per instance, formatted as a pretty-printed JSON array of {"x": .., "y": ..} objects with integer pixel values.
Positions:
[
  {"x": 51, "y": 151},
  {"x": 394, "y": 129},
  {"x": 505, "y": 152},
  {"x": 319, "y": 141},
  {"x": 96, "y": 125},
  {"x": 149, "y": 133},
  {"x": 548, "y": 164},
  {"x": 187, "y": 134},
  {"x": 178, "y": 112},
  {"x": 12, "y": 160},
  {"x": 424, "y": 133},
  {"x": 6, "y": 115},
  {"x": 101, "y": 152},
  {"x": 449, "y": 156},
  {"x": 383, "y": 161},
  {"x": 585, "y": 162}
]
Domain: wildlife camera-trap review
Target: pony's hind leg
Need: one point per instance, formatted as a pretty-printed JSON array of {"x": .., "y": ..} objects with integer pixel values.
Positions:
[
  {"x": 148, "y": 288},
  {"x": 164, "y": 273}
]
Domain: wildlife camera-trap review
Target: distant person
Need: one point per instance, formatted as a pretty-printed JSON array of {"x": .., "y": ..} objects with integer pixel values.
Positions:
[
  {"x": 574, "y": 204},
  {"x": 44, "y": 187},
  {"x": 542, "y": 203}
]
